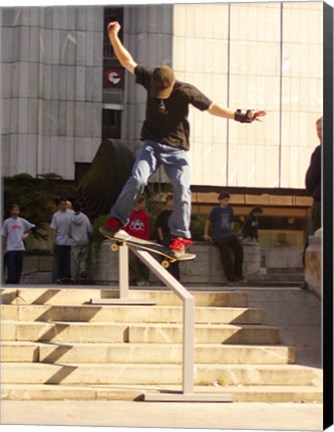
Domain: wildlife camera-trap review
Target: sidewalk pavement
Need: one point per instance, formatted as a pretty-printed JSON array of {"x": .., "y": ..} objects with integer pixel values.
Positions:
[{"x": 251, "y": 415}]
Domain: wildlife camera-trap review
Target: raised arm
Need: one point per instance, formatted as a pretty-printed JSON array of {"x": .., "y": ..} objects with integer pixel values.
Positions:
[
  {"x": 122, "y": 54},
  {"x": 244, "y": 117}
]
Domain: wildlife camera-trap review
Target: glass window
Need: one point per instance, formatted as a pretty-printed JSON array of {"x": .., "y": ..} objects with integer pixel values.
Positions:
[{"x": 111, "y": 123}]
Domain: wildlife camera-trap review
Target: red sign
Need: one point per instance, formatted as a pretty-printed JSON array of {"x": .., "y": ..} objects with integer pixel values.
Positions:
[{"x": 113, "y": 76}]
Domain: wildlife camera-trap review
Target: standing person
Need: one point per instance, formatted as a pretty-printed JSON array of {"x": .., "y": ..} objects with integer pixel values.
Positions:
[
  {"x": 164, "y": 234},
  {"x": 165, "y": 134},
  {"x": 139, "y": 226},
  {"x": 13, "y": 232},
  {"x": 313, "y": 187},
  {"x": 60, "y": 226},
  {"x": 220, "y": 221},
  {"x": 80, "y": 230},
  {"x": 251, "y": 225}
]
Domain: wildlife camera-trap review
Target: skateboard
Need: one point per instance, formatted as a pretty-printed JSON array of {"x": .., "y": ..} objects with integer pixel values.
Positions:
[{"x": 122, "y": 237}]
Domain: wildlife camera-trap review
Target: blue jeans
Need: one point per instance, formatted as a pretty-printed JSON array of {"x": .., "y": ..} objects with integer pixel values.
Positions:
[{"x": 176, "y": 165}]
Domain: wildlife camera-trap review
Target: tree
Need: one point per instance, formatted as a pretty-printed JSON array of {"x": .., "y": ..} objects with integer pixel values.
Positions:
[{"x": 36, "y": 197}]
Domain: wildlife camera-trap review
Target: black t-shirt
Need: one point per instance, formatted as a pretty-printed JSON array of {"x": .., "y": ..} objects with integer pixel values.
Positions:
[
  {"x": 162, "y": 222},
  {"x": 221, "y": 219},
  {"x": 250, "y": 228},
  {"x": 169, "y": 125}
]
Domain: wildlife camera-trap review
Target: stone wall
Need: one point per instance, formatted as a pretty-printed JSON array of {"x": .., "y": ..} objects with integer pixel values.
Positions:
[
  {"x": 205, "y": 269},
  {"x": 51, "y": 97},
  {"x": 259, "y": 264}
]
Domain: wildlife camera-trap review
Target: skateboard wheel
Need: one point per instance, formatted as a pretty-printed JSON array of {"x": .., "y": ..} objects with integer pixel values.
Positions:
[
  {"x": 114, "y": 247},
  {"x": 165, "y": 264}
]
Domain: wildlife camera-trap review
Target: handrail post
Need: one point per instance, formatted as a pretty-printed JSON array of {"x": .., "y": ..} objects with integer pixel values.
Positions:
[
  {"x": 188, "y": 344},
  {"x": 123, "y": 271},
  {"x": 188, "y": 300}
]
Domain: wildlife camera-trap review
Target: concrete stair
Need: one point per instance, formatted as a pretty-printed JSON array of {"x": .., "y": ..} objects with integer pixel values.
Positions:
[
  {"x": 55, "y": 345},
  {"x": 19, "y": 351}
]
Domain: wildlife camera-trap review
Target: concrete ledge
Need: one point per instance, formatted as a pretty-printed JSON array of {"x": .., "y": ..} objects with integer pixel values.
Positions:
[
  {"x": 79, "y": 296},
  {"x": 206, "y": 268},
  {"x": 313, "y": 262}
]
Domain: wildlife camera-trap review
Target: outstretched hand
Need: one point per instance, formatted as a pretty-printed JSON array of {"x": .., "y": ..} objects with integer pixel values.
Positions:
[
  {"x": 258, "y": 114},
  {"x": 113, "y": 28}
]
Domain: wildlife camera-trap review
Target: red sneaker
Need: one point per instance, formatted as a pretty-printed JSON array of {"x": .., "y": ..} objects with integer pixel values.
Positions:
[
  {"x": 111, "y": 227},
  {"x": 178, "y": 245}
]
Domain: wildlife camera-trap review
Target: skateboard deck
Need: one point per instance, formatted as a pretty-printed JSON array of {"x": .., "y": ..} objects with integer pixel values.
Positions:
[{"x": 123, "y": 237}]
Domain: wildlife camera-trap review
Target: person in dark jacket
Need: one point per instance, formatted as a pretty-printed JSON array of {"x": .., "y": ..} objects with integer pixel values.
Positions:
[
  {"x": 313, "y": 187},
  {"x": 250, "y": 228},
  {"x": 220, "y": 222}
]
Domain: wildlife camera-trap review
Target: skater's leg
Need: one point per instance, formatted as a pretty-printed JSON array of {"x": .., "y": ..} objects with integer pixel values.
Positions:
[
  {"x": 145, "y": 165},
  {"x": 177, "y": 168}
]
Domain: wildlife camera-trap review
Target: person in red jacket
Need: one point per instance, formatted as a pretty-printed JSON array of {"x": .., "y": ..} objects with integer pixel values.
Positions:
[{"x": 138, "y": 226}]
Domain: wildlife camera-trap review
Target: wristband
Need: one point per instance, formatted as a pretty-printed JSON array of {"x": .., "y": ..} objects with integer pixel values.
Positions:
[{"x": 244, "y": 117}]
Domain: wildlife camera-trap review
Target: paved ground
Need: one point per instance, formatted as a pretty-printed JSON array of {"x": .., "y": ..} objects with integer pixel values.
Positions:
[
  {"x": 238, "y": 416},
  {"x": 296, "y": 312},
  {"x": 298, "y": 315}
]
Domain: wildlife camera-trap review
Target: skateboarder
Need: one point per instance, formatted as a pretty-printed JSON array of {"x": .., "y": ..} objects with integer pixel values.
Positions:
[{"x": 165, "y": 136}]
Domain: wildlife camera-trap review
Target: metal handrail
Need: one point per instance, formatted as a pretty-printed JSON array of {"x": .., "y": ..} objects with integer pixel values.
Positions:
[{"x": 188, "y": 316}]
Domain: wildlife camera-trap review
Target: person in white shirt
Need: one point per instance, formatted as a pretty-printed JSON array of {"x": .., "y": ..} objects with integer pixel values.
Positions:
[
  {"x": 13, "y": 231},
  {"x": 80, "y": 230},
  {"x": 62, "y": 246}
]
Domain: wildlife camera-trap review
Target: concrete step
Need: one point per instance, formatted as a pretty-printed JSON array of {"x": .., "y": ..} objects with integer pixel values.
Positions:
[
  {"x": 76, "y": 296},
  {"x": 136, "y": 333},
  {"x": 143, "y": 353},
  {"x": 162, "y": 374},
  {"x": 142, "y": 314},
  {"x": 266, "y": 393},
  {"x": 230, "y": 334}
]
